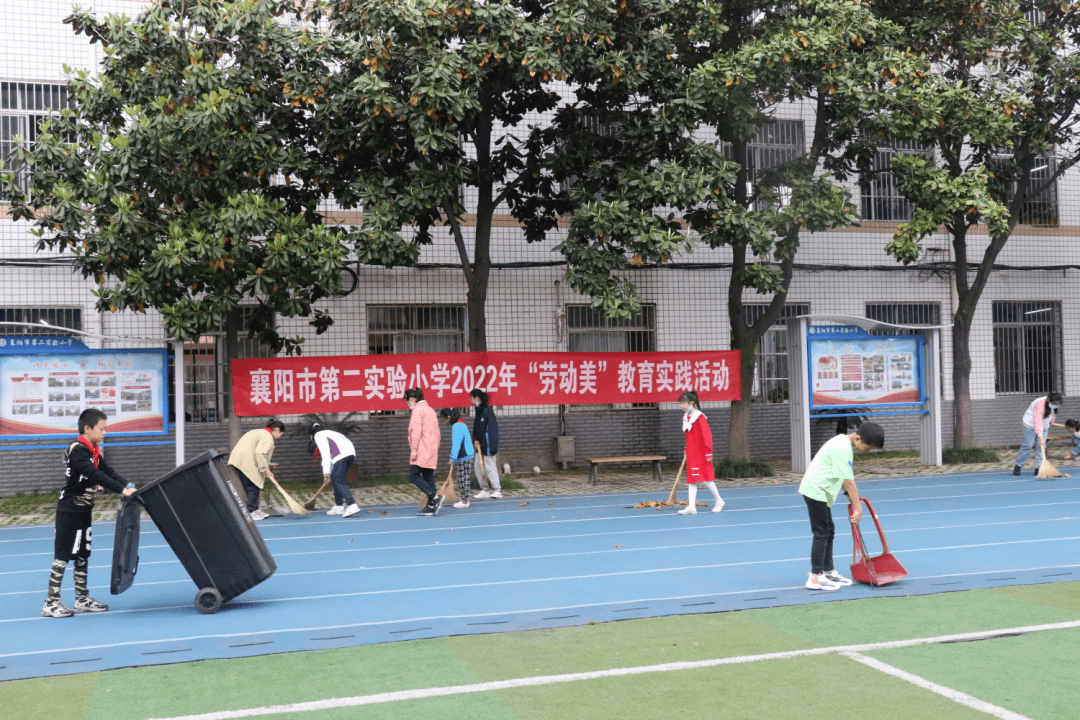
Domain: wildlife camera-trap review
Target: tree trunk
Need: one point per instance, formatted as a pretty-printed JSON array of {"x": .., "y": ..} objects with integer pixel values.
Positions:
[
  {"x": 963, "y": 433},
  {"x": 232, "y": 328},
  {"x": 739, "y": 429}
]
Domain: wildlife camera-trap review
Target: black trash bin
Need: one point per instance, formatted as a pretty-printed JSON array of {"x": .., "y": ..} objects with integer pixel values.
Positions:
[{"x": 207, "y": 525}]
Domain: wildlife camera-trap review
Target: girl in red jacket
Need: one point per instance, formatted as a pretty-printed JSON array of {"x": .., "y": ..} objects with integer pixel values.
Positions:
[{"x": 699, "y": 461}]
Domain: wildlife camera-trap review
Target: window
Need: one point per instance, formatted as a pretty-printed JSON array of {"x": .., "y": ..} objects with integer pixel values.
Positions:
[
  {"x": 23, "y": 106},
  {"x": 589, "y": 330},
  {"x": 415, "y": 329},
  {"x": 1027, "y": 347},
  {"x": 205, "y": 390},
  {"x": 903, "y": 314},
  {"x": 771, "y": 360},
  {"x": 881, "y": 199},
  {"x": 1042, "y": 209},
  {"x": 59, "y": 317},
  {"x": 394, "y": 329},
  {"x": 775, "y": 143}
]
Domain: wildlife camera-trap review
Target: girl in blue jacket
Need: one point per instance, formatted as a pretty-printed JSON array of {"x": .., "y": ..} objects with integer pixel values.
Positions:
[{"x": 461, "y": 454}]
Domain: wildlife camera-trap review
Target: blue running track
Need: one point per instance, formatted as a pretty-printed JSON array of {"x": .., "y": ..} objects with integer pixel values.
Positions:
[{"x": 518, "y": 564}]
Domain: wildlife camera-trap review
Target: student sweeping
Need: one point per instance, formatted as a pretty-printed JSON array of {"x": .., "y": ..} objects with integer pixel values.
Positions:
[
  {"x": 461, "y": 454},
  {"x": 699, "y": 458},
  {"x": 1037, "y": 420},
  {"x": 337, "y": 454},
  {"x": 832, "y": 469}
]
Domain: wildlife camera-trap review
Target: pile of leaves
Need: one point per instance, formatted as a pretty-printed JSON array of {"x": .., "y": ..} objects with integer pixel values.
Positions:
[{"x": 661, "y": 504}]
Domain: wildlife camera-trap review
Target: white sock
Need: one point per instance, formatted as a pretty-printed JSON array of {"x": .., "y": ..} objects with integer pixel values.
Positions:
[
  {"x": 714, "y": 491},
  {"x": 691, "y": 491}
]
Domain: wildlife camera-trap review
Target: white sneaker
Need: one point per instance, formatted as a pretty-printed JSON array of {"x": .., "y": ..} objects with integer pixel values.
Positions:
[
  {"x": 482, "y": 495},
  {"x": 259, "y": 515},
  {"x": 336, "y": 510},
  {"x": 349, "y": 511},
  {"x": 496, "y": 494},
  {"x": 688, "y": 510},
  {"x": 836, "y": 578},
  {"x": 820, "y": 582},
  {"x": 718, "y": 506}
]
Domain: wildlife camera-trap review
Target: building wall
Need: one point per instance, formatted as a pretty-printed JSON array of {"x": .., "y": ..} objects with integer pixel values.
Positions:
[{"x": 840, "y": 271}]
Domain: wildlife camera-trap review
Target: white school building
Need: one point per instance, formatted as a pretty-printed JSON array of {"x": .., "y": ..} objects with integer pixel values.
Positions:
[{"x": 1022, "y": 338}]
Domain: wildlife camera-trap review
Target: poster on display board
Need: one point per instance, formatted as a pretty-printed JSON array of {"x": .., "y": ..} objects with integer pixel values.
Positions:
[
  {"x": 848, "y": 366},
  {"x": 368, "y": 383},
  {"x": 43, "y": 394}
]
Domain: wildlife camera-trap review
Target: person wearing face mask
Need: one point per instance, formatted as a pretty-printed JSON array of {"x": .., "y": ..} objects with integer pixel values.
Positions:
[
  {"x": 1040, "y": 415},
  {"x": 424, "y": 438},
  {"x": 486, "y": 436}
]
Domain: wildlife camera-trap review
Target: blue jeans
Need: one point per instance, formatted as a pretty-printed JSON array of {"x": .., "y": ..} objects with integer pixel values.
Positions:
[
  {"x": 1029, "y": 443},
  {"x": 338, "y": 470}
]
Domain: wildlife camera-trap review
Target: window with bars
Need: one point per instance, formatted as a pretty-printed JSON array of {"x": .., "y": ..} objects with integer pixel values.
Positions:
[
  {"x": 394, "y": 329},
  {"x": 775, "y": 143},
  {"x": 1040, "y": 209},
  {"x": 881, "y": 198},
  {"x": 205, "y": 389},
  {"x": 903, "y": 314},
  {"x": 23, "y": 107},
  {"x": 415, "y": 329},
  {"x": 771, "y": 360},
  {"x": 70, "y": 318},
  {"x": 589, "y": 330},
  {"x": 1027, "y": 347}
]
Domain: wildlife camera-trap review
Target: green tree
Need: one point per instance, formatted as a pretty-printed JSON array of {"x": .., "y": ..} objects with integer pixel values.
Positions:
[
  {"x": 427, "y": 105},
  {"x": 741, "y": 62},
  {"x": 1002, "y": 127},
  {"x": 171, "y": 178}
]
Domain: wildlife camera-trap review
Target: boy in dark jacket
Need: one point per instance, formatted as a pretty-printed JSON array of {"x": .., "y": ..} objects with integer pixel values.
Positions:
[{"x": 86, "y": 471}]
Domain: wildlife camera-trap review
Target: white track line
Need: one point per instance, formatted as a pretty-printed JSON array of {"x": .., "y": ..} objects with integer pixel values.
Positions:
[
  {"x": 471, "y": 616},
  {"x": 622, "y": 534},
  {"x": 620, "y": 504},
  {"x": 519, "y": 558},
  {"x": 845, "y": 650},
  {"x": 954, "y": 695}
]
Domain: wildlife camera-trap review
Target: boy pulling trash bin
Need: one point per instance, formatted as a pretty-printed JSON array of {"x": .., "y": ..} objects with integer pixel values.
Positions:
[{"x": 86, "y": 471}]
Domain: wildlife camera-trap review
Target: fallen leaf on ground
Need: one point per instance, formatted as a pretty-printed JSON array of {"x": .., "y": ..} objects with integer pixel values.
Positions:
[
  {"x": 618, "y": 546},
  {"x": 522, "y": 504},
  {"x": 382, "y": 512}
]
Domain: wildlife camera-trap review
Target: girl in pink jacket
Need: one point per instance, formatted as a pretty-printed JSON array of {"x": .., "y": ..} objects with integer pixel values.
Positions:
[
  {"x": 424, "y": 440},
  {"x": 1039, "y": 417}
]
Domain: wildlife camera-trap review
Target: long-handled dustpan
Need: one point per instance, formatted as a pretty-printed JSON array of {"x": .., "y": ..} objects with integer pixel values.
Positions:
[{"x": 880, "y": 570}]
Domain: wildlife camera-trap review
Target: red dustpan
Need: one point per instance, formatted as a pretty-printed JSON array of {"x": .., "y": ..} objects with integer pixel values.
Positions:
[{"x": 873, "y": 570}]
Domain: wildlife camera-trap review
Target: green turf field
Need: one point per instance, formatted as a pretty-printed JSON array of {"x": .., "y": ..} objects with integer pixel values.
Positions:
[{"x": 1035, "y": 675}]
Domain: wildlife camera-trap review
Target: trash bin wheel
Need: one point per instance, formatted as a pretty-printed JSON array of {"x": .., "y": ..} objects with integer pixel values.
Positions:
[{"x": 208, "y": 600}]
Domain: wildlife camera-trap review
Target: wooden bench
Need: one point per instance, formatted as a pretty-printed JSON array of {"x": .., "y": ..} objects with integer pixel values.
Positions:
[{"x": 654, "y": 459}]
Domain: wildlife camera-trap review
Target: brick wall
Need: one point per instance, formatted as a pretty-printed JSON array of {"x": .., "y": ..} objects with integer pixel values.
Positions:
[{"x": 525, "y": 441}]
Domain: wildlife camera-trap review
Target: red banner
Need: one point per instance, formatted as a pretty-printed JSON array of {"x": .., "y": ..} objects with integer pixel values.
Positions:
[{"x": 362, "y": 383}]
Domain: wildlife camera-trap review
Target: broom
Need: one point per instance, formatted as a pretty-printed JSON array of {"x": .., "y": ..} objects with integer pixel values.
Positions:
[
  {"x": 1047, "y": 470},
  {"x": 675, "y": 488},
  {"x": 294, "y": 506}
]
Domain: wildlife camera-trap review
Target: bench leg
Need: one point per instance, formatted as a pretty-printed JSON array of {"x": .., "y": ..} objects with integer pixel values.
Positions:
[
  {"x": 592, "y": 474},
  {"x": 656, "y": 472}
]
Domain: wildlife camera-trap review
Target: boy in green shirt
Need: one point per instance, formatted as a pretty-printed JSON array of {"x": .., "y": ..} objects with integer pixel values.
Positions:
[{"x": 829, "y": 471}]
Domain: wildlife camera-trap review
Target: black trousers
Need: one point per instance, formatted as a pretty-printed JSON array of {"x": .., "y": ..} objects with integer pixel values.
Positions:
[
  {"x": 821, "y": 523},
  {"x": 251, "y": 490},
  {"x": 423, "y": 478}
]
